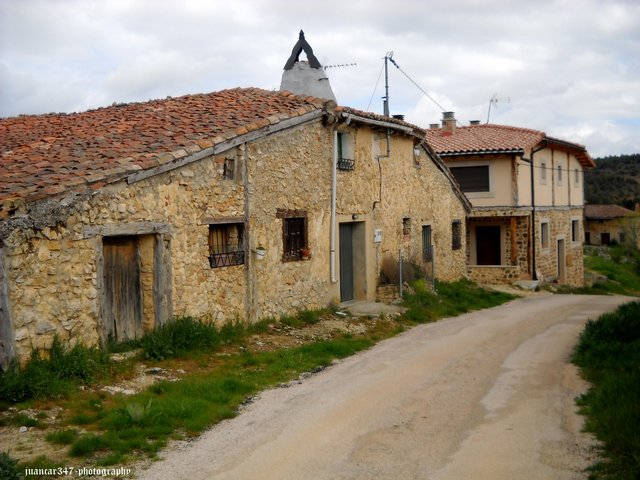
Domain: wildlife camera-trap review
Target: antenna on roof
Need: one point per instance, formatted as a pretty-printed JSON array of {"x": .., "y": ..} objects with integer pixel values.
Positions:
[
  {"x": 494, "y": 101},
  {"x": 340, "y": 65}
]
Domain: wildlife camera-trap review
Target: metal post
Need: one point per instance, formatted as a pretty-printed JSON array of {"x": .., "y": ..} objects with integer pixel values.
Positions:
[
  {"x": 386, "y": 83},
  {"x": 400, "y": 268},
  {"x": 433, "y": 268}
]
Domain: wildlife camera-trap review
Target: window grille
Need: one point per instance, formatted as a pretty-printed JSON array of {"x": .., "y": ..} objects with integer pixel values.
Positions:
[
  {"x": 456, "y": 235},
  {"x": 295, "y": 237},
  {"x": 343, "y": 162},
  {"x": 427, "y": 247},
  {"x": 226, "y": 245}
]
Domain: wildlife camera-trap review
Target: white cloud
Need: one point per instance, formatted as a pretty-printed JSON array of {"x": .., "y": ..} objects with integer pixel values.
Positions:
[{"x": 570, "y": 67}]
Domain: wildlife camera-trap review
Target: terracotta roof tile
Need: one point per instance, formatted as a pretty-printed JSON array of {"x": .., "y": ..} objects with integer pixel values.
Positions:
[
  {"x": 494, "y": 139},
  {"x": 606, "y": 212},
  {"x": 483, "y": 138},
  {"x": 104, "y": 144}
]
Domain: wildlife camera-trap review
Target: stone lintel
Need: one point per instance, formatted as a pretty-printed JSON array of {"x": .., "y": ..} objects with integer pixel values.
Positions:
[{"x": 122, "y": 229}]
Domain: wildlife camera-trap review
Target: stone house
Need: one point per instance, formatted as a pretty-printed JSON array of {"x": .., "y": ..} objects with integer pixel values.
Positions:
[
  {"x": 115, "y": 221},
  {"x": 604, "y": 224},
  {"x": 526, "y": 189}
]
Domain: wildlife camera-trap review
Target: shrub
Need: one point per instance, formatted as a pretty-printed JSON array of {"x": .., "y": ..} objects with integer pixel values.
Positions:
[
  {"x": 608, "y": 353},
  {"x": 55, "y": 376},
  {"x": 62, "y": 437},
  {"x": 9, "y": 467},
  {"x": 180, "y": 337}
]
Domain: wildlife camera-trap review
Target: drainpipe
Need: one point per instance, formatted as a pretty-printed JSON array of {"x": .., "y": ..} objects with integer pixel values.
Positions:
[
  {"x": 533, "y": 211},
  {"x": 334, "y": 182}
]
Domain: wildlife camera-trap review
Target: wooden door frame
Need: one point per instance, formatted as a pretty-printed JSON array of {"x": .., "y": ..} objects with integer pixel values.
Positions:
[{"x": 162, "y": 264}]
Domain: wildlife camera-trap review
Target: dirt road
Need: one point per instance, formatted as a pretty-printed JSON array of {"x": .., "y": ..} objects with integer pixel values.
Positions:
[{"x": 487, "y": 395}]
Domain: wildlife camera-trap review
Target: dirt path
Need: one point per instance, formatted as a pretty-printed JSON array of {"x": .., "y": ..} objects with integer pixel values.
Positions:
[{"x": 487, "y": 395}]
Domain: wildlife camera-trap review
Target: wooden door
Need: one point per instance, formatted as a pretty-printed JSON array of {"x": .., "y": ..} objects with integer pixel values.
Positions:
[
  {"x": 562, "y": 263},
  {"x": 123, "y": 292},
  {"x": 6, "y": 330}
]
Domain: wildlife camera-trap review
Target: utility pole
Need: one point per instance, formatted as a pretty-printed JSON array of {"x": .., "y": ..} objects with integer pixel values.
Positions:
[{"x": 385, "y": 104}]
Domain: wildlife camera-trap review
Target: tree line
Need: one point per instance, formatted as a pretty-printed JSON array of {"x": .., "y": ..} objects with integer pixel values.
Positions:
[{"x": 615, "y": 180}]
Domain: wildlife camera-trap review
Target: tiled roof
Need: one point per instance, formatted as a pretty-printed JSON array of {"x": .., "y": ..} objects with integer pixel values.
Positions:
[
  {"x": 483, "y": 138},
  {"x": 496, "y": 139},
  {"x": 606, "y": 212},
  {"x": 380, "y": 118},
  {"x": 43, "y": 155}
]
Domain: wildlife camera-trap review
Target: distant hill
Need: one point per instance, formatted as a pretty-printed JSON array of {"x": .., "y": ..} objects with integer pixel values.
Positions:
[{"x": 615, "y": 180}]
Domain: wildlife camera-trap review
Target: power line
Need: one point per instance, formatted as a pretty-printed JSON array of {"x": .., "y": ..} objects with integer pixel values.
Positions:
[
  {"x": 375, "y": 88},
  {"x": 442, "y": 109}
]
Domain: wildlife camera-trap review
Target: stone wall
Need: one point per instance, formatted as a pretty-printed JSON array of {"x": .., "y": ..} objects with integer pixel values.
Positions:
[
  {"x": 399, "y": 195},
  {"x": 55, "y": 276},
  {"x": 494, "y": 274},
  {"x": 559, "y": 220}
]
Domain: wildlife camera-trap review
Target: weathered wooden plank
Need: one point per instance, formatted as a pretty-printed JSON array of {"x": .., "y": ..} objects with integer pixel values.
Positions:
[{"x": 126, "y": 229}]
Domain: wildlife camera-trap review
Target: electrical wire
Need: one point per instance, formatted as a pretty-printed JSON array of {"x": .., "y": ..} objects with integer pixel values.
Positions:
[
  {"x": 442, "y": 109},
  {"x": 375, "y": 88}
]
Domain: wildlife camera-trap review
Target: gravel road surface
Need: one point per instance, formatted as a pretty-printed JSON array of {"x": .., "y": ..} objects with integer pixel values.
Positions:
[{"x": 486, "y": 395}]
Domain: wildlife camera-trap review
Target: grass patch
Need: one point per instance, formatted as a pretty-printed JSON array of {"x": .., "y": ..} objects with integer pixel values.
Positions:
[
  {"x": 55, "y": 376},
  {"x": 9, "y": 469},
  {"x": 62, "y": 437},
  {"x": 177, "y": 338},
  {"x": 118, "y": 428},
  {"x": 621, "y": 267},
  {"x": 608, "y": 353},
  {"x": 143, "y": 423},
  {"x": 451, "y": 299}
]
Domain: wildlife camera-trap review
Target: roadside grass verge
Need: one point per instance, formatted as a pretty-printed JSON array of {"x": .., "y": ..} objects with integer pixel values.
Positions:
[
  {"x": 221, "y": 373},
  {"x": 143, "y": 423},
  {"x": 620, "y": 267},
  {"x": 56, "y": 376},
  {"x": 608, "y": 354},
  {"x": 451, "y": 299}
]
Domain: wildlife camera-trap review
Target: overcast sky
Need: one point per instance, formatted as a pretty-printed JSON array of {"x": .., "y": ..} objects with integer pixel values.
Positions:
[{"x": 570, "y": 68}]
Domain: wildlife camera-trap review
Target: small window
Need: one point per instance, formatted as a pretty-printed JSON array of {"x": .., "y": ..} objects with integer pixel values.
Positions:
[
  {"x": 345, "y": 156},
  {"x": 427, "y": 247},
  {"x": 472, "y": 179},
  {"x": 622, "y": 237},
  {"x": 294, "y": 232},
  {"x": 229, "y": 169},
  {"x": 559, "y": 177},
  {"x": 406, "y": 226},
  {"x": 226, "y": 244},
  {"x": 544, "y": 234},
  {"x": 456, "y": 235},
  {"x": 575, "y": 230},
  {"x": 543, "y": 173},
  {"x": 576, "y": 177}
]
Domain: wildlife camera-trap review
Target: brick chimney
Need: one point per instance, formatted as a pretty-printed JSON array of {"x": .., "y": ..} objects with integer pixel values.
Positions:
[{"x": 449, "y": 122}]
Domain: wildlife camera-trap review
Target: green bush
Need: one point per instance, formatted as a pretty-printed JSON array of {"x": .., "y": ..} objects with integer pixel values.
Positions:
[
  {"x": 9, "y": 469},
  {"x": 53, "y": 377},
  {"x": 180, "y": 337},
  {"x": 608, "y": 353}
]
